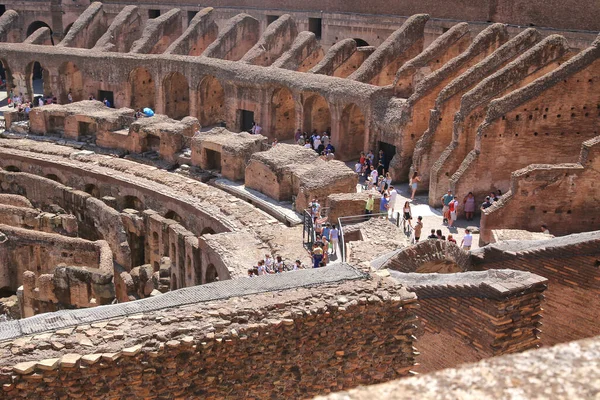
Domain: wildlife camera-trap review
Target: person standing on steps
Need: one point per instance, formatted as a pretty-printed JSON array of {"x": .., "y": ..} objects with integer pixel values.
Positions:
[
  {"x": 334, "y": 236},
  {"x": 418, "y": 229}
]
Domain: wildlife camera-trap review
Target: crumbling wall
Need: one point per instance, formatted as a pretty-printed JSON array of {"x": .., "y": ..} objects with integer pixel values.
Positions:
[
  {"x": 543, "y": 122},
  {"x": 561, "y": 196},
  {"x": 235, "y": 39},
  {"x": 87, "y": 29},
  {"x": 200, "y": 33},
  {"x": 125, "y": 29},
  {"x": 194, "y": 362},
  {"x": 276, "y": 39}
]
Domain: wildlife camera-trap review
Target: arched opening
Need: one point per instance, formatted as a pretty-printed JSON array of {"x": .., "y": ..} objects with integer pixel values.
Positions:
[
  {"x": 211, "y": 100},
  {"x": 37, "y": 80},
  {"x": 173, "y": 215},
  {"x": 35, "y": 25},
  {"x": 177, "y": 96},
  {"x": 207, "y": 231},
  {"x": 68, "y": 28},
  {"x": 6, "y": 291},
  {"x": 211, "y": 274},
  {"x": 7, "y": 80},
  {"x": 133, "y": 203},
  {"x": 352, "y": 133},
  {"x": 11, "y": 168},
  {"x": 92, "y": 189},
  {"x": 283, "y": 114},
  {"x": 316, "y": 114},
  {"x": 71, "y": 80},
  {"x": 142, "y": 89},
  {"x": 360, "y": 42},
  {"x": 53, "y": 177}
]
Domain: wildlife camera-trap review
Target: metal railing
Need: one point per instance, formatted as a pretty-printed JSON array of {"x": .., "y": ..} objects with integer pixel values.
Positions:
[
  {"x": 308, "y": 231},
  {"x": 352, "y": 220}
]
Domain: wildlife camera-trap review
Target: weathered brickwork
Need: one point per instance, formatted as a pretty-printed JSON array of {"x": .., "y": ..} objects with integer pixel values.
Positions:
[{"x": 277, "y": 344}]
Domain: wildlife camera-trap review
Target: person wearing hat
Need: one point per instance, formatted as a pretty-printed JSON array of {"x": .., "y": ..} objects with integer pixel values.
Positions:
[{"x": 446, "y": 199}]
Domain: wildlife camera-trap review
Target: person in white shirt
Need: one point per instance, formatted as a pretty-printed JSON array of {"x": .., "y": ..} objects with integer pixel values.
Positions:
[
  {"x": 317, "y": 142},
  {"x": 393, "y": 194},
  {"x": 467, "y": 240}
]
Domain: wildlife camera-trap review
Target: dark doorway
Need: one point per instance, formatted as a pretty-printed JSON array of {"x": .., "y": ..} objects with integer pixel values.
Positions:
[
  {"x": 271, "y": 19},
  {"x": 246, "y": 120},
  {"x": 213, "y": 159},
  {"x": 153, "y": 14},
  {"x": 108, "y": 95},
  {"x": 87, "y": 128},
  {"x": 360, "y": 42},
  {"x": 315, "y": 26},
  {"x": 389, "y": 151},
  {"x": 191, "y": 15},
  {"x": 152, "y": 143},
  {"x": 2, "y": 9}
]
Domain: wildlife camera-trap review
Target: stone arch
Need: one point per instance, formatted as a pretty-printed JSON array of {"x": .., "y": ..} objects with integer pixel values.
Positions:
[
  {"x": 53, "y": 177},
  {"x": 211, "y": 274},
  {"x": 71, "y": 79},
  {"x": 11, "y": 168},
  {"x": 68, "y": 28},
  {"x": 37, "y": 79},
  {"x": 361, "y": 42},
  {"x": 133, "y": 203},
  {"x": 155, "y": 242},
  {"x": 173, "y": 215},
  {"x": 316, "y": 114},
  {"x": 211, "y": 101},
  {"x": 35, "y": 25},
  {"x": 6, "y": 75},
  {"x": 176, "y": 96},
  {"x": 352, "y": 133},
  {"x": 92, "y": 189},
  {"x": 283, "y": 114},
  {"x": 142, "y": 89},
  {"x": 207, "y": 231}
]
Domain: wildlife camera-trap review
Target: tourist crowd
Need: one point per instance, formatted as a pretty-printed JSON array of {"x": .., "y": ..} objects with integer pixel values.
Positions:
[{"x": 273, "y": 265}]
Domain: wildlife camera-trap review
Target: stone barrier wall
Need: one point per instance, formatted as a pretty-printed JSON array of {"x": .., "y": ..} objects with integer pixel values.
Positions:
[{"x": 287, "y": 344}]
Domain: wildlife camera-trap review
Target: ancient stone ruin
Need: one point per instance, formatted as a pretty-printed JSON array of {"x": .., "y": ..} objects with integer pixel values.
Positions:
[{"x": 161, "y": 157}]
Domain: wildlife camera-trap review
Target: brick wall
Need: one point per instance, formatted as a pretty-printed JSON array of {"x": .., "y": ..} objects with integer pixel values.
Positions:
[{"x": 291, "y": 344}]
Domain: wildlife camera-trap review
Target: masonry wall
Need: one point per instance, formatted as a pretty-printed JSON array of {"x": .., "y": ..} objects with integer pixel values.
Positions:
[
  {"x": 571, "y": 310},
  {"x": 295, "y": 351}
]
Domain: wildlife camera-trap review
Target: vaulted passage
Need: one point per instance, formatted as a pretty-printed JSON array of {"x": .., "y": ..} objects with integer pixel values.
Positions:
[
  {"x": 142, "y": 89},
  {"x": 37, "y": 80},
  {"x": 71, "y": 80},
  {"x": 317, "y": 115},
  {"x": 283, "y": 114},
  {"x": 176, "y": 95},
  {"x": 211, "y": 100},
  {"x": 352, "y": 133},
  {"x": 35, "y": 25}
]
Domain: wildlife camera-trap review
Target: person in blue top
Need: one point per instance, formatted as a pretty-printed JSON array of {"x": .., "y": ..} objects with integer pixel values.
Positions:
[
  {"x": 446, "y": 199},
  {"x": 106, "y": 102},
  {"x": 384, "y": 205}
]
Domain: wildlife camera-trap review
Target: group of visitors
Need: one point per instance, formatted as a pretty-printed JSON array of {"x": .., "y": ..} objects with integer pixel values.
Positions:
[
  {"x": 270, "y": 265},
  {"x": 326, "y": 244},
  {"x": 371, "y": 171},
  {"x": 465, "y": 243},
  {"x": 450, "y": 205},
  {"x": 319, "y": 142}
]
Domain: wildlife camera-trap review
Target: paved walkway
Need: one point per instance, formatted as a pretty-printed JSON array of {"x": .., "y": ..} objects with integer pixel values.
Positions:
[{"x": 432, "y": 217}]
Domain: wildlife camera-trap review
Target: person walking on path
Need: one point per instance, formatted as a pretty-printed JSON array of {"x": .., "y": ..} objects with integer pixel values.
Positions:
[
  {"x": 414, "y": 183},
  {"x": 384, "y": 205},
  {"x": 407, "y": 216},
  {"x": 334, "y": 235},
  {"x": 317, "y": 255},
  {"x": 453, "y": 211},
  {"x": 369, "y": 205},
  {"x": 467, "y": 240},
  {"x": 418, "y": 229},
  {"x": 446, "y": 199}
]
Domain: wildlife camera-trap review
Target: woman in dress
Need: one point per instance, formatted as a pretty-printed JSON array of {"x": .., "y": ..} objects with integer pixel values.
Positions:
[
  {"x": 469, "y": 204},
  {"x": 414, "y": 183}
]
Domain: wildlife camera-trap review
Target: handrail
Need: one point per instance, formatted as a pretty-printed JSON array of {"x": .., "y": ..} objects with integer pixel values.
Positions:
[{"x": 351, "y": 220}]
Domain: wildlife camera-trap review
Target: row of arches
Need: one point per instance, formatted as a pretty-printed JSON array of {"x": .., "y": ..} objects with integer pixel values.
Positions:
[{"x": 210, "y": 100}]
